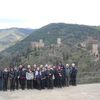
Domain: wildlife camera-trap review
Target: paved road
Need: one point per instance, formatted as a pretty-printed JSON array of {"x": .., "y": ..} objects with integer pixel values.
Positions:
[{"x": 80, "y": 92}]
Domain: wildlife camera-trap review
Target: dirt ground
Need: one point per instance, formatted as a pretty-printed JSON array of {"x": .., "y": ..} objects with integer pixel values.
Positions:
[{"x": 79, "y": 92}]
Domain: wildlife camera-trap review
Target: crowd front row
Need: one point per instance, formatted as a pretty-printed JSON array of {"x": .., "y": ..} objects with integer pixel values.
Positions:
[{"x": 38, "y": 77}]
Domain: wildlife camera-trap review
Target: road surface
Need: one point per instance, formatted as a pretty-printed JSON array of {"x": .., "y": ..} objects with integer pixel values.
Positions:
[{"x": 79, "y": 92}]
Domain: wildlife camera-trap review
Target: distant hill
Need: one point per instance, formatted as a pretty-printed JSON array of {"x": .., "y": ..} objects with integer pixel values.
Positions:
[
  {"x": 11, "y": 36},
  {"x": 70, "y": 33}
]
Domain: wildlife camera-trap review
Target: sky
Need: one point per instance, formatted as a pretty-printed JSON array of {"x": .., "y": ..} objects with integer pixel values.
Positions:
[{"x": 37, "y": 13}]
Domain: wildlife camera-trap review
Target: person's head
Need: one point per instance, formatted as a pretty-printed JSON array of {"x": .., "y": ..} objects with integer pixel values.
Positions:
[
  {"x": 5, "y": 69},
  {"x": 15, "y": 68},
  {"x": 34, "y": 65},
  {"x": 38, "y": 68},
  {"x": 28, "y": 66},
  {"x": 20, "y": 66},
  {"x": 73, "y": 64},
  {"x": 67, "y": 65},
  {"x": 11, "y": 69},
  {"x": 46, "y": 65},
  {"x": 41, "y": 66},
  {"x": 23, "y": 69}
]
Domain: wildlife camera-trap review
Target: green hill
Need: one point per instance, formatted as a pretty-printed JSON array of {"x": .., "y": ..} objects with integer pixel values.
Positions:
[{"x": 11, "y": 36}]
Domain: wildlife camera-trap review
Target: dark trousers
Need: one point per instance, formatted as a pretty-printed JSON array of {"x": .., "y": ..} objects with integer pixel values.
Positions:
[
  {"x": 23, "y": 83},
  {"x": 67, "y": 80},
  {"x": 63, "y": 81},
  {"x": 43, "y": 83},
  {"x": 34, "y": 84},
  {"x": 5, "y": 84},
  {"x": 73, "y": 80},
  {"x": 1, "y": 84},
  {"x": 12, "y": 84},
  {"x": 50, "y": 83},
  {"x": 29, "y": 84},
  {"x": 59, "y": 82},
  {"x": 38, "y": 81},
  {"x": 16, "y": 83}
]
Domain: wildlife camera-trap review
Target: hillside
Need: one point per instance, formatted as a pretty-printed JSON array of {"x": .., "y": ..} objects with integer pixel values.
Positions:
[
  {"x": 80, "y": 92},
  {"x": 71, "y": 35},
  {"x": 11, "y": 36}
]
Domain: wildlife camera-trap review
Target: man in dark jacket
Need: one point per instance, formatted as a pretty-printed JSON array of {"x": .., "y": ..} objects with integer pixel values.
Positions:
[
  {"x": 1, "y": 80},
  {"x": 67, "y": 74},
  {"x": 38, "y": 78},
  {"x": 12, "y": 79},
  {"x": 16, "y": 78},
  {"x": 49, "y": 77},
  {"x": 73, "y": 74},
  {"x": 5, "y": 79},
  {"x": 59, "y": 77},
  {"x": 22, "y": 77},
  {"x": 43, "y": 78}
]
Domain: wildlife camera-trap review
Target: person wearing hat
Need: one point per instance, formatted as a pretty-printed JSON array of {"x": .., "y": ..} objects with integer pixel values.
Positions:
[
  {"x": 73, "y": 74},
  {"x": 67, "y": 69}
]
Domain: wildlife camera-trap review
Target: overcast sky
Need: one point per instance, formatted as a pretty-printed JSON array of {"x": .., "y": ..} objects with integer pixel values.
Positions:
[{"x": 37, "y": 13}]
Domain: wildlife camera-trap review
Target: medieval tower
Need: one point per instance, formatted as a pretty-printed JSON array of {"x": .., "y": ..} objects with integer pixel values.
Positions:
[
  {"x": 95, "y": 51},
  {"x": 59, "y": 41}
]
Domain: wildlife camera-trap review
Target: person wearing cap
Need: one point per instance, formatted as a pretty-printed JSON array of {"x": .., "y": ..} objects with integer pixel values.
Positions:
[
  {"x": 67, "y": 69},
  {"x": 73, "y": 74}
]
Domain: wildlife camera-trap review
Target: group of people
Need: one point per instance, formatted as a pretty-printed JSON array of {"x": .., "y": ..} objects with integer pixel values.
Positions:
[{"x": 38, "y": 77}]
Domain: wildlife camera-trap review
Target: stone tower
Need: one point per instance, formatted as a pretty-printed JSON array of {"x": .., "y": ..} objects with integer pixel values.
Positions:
[
  {"x": 95, "y": 51},
  {"x": 59, "y": 41}
]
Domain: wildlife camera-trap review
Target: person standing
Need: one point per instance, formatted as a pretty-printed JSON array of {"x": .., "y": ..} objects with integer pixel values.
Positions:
[
  {"x": 38, "y": 78},
  {"x": 59, "y": 77},
  {"x": 73, "y": 74},
  {"x": 67, "y": 71},
  {"x": 1, "y": 80},
  {"x": 5, "y": 79},
  {"x": 22, "y": 77},
  {"x": 43, "y": 78},
  {"x": 16, "y": 78},
  {"x": 29, "y": 78},
  {"x": 12, "y": 79}
]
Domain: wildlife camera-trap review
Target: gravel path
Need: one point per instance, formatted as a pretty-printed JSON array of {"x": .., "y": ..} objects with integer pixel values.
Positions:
[{"x": 80, "y": 92}]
